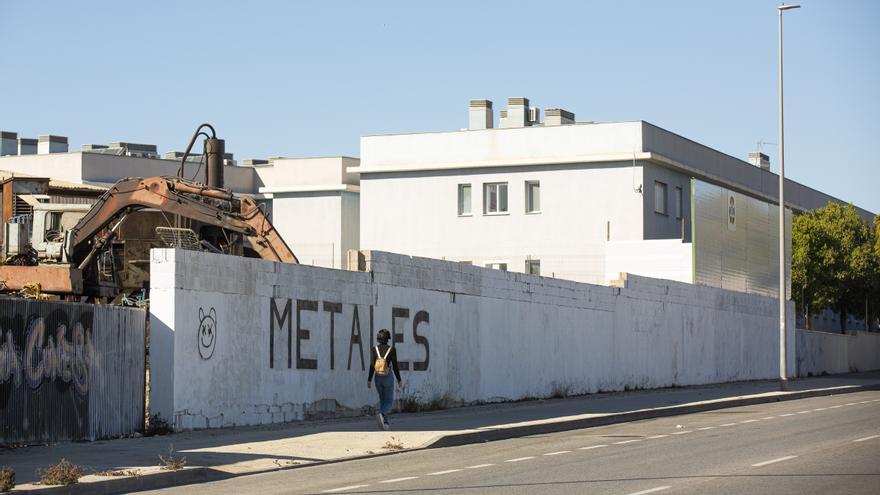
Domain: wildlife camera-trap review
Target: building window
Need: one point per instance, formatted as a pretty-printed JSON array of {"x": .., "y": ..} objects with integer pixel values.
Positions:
[
  {"x": 464, "y": 199},
  {"x": 495, "y": 197},
  {"x": 533, "y": 196},
  {"x": 497, "y": 266},
  {"x": 678, "y": 203},
  {"x": 659, "y": 197},
  {"x": 533, "y": 267}
]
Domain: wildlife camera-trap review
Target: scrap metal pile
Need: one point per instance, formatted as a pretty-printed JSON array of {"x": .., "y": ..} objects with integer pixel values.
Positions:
[{"x": 102, "y": 251}]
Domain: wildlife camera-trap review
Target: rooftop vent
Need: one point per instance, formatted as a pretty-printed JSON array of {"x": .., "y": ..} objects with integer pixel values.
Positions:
[
  {"x": 759, "y": 159},
  {"x": 93, "y": 147},
  {"x": 27, "y": 146},
  {"x": 480, "y": 115},
  {"x": 51, "y": 144},
  {"x": 135, "y": 149},
  {"x": 517, "y": 112},
  {"x": 255, "y": 161},
  {"x": 558, "y": 116},
  {"x": 8, "y": 143}
]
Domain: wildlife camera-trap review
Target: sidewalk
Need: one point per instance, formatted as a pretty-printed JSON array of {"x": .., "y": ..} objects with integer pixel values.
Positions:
[{"x": 218, "y": 454}]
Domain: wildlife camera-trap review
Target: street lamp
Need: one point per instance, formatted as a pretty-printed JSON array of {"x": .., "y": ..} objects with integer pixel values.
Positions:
[{"x": 783, "y": 379}]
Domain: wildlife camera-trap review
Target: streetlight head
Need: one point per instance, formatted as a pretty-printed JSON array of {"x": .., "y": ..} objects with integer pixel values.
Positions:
[{"x": 788, "y": 6}]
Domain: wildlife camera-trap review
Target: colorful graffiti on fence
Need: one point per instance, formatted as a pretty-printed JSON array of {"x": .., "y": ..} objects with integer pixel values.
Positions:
[{"x": 66, "y": 356}]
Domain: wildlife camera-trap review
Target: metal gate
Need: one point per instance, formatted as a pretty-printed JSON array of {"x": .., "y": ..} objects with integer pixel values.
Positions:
[{"x": 69, "y": 371}]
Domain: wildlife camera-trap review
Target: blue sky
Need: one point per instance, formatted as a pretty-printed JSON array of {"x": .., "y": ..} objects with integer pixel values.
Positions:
[{"x": 309, "y": 78}]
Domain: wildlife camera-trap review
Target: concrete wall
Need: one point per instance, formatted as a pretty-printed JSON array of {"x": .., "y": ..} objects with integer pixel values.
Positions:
[
  {"x": 244, "y": 341},
  {"x": 823, "y": 352},
  {"x": 417, "y": 214}
]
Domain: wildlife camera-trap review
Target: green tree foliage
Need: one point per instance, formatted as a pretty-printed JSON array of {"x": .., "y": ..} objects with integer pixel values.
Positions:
[{"x": 835, "y": 261}]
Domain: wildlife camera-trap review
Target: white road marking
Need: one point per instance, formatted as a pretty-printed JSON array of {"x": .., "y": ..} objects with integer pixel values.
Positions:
[
  {"x": 558, "y": 453},
  {"x": 652, "y": 490},
  {"x": 706, "y": 428},
  {"x": 773, "y": 461},
  {"x": 729, "y": 424},
  {"x": 395, "y": 480},
  {"x": 352, "y": 487},
  {"x": 850, "y": 404},
  {"x": 867, "y": 438},
  {"x": 438, "y": 473},
  {"x": 626, "y": 441},
  {"x": 835, "y": 407},
  {"x": 786, "y": 415},
  {"x": 478, "y": 466},
  {"x": 803, "y": 412},
  {"x": 591, "y": 447},
  {"x": 520, "y": 459},
  {"x": 681, "y": 432},
  {"x": 657, "y": 436},
  {"x": 821, "y": 409},
  {"x": 748, "y": 421},
  {"x": 864, "y": 402},
  {"x": 770, "y": 417}
]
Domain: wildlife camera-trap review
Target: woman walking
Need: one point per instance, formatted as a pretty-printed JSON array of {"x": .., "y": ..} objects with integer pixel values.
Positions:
[{"x": 383, "y": 361}]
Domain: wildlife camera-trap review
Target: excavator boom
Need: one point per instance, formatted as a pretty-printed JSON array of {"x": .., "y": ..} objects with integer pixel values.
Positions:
[{"x": 176, "y": 196}]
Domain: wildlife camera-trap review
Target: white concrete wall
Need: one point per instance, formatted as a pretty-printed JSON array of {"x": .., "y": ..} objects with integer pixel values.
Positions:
[
  {"x": 469, "y": 333},
  {"x": 417, "y": 214},
  {"x": 823, "y": 352},
  {"x": 668, "y": 259}
]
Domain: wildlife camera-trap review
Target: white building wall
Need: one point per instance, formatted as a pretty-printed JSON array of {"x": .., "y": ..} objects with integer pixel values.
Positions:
[
  {"x": 418, "y": 214},
  {"x": 285, "y": 343},
  {"x": 311, "y": 224},
  {"x": 668, "y": 259}
]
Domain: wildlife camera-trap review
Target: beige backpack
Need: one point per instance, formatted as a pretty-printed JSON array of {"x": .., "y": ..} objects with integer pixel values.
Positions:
[{"x": 381, "y": 365}]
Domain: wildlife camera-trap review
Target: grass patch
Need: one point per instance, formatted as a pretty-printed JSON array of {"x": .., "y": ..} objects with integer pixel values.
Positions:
[
  {"x": 157, "y": 425},
  {"x": 63, "y": 473},
  {"x": 393, "y": 444},
  {"x": 7, "y": 479},
  {"x": 171, "y": 463}
]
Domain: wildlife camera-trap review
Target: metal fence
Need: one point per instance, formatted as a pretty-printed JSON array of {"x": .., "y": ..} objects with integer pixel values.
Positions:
[{"x": 69, "y": 371}]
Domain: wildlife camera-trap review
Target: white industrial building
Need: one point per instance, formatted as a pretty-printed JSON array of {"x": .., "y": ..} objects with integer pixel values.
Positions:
[
  {"x": 313, "y": 202},
  {"x": 583, "y": 201},
  {"x": 576, "y": 200}
]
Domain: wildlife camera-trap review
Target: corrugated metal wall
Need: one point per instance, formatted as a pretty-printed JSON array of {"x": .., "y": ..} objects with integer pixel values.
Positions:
[
  {"x": 736, "y": 241},
  {"x": 69, "y": 371}
]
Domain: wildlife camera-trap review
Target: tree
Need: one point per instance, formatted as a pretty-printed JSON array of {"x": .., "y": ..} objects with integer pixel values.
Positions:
[{"x": 835, "y": 261}]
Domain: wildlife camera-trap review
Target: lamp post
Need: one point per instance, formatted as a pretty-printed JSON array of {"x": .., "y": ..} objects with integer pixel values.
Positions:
[{"x": 783, "y": 378}]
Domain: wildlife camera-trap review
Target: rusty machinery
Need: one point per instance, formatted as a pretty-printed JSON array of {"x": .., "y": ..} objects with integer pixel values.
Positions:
[{"x": 97, "y": 262}]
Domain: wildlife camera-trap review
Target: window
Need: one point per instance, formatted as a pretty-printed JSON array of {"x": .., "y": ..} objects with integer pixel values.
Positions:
[
  {"x": 678, "y": 202},
  {"x": 464, "y": 199},
  {"x": 533, "y": 196},
  {"x": 533, "y": 267},
  {"x": 495, "y": 197},
  {"x": 659, "y": 197},
  {"x": 497, "y": 266}
]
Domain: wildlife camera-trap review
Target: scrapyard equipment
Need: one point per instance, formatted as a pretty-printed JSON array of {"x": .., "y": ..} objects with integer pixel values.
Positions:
[{"x": 102, "y": 250}]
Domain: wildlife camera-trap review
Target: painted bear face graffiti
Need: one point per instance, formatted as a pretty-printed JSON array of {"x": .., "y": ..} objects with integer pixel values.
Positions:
[{"x": 207, "y": 333}]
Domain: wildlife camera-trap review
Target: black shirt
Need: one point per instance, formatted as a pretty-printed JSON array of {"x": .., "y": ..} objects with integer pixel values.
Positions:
[{"x": 391, "y": 360}]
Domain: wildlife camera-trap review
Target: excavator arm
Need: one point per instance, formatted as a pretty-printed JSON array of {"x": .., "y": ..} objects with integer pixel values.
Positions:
[{"x": 182, "y": 197}]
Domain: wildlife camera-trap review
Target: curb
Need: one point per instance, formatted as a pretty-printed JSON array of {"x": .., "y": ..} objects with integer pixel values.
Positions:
[
  {"x": 504, "y": 433},
  {"x": 207, "y": 474}
]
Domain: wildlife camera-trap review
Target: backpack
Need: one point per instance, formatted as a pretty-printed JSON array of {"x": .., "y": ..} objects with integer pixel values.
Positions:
[{"x": 381, "y": 365}]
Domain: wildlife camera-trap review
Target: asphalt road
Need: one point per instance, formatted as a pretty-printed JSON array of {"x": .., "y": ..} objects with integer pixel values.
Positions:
[{"x": 820, "y": 445}]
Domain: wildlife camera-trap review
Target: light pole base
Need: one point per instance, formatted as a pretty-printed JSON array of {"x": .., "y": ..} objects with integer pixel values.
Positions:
[{"x": 783, "y": 384}]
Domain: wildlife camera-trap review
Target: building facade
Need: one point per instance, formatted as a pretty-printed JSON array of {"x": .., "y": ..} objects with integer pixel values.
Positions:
[{"x": 576, "y": 200}]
